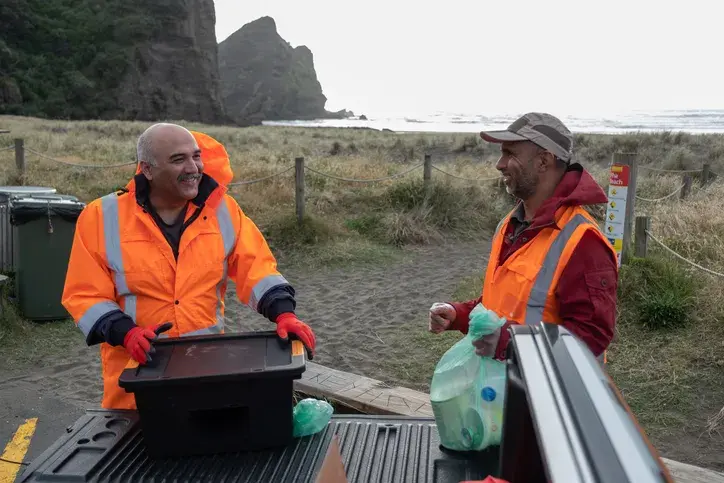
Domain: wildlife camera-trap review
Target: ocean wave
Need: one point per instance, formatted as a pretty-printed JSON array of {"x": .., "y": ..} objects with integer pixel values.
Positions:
[{"x": 693, "y": 121}]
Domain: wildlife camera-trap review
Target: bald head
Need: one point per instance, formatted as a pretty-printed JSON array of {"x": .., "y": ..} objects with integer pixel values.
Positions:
[{"x": 157, "y": 136}]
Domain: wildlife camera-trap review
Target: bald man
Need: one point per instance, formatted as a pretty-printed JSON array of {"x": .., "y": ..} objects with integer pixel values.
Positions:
[{"x": 155, "y": 258}]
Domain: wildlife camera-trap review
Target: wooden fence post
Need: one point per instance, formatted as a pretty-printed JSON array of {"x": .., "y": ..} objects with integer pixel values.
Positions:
[
  {"x": 427, "y": 172},
  {"x": 299, "y": 182},
  {"x": 686, "y": 186},
  {"x": 641, "y": 239},
  {"x": 20, "y": 156},
  {"x": 628, "y": 159},
  {"x": 705, "y": 172}
]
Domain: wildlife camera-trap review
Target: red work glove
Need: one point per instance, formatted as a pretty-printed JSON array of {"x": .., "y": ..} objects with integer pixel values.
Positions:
[
  {"x": 288, "y": 322},
  {"x": 137, "y": 341}
]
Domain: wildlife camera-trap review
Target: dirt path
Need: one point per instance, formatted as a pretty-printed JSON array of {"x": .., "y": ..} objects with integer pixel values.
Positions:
[
  {"x": 351, "y": 310},
  {"x": 356, "y": 313}
]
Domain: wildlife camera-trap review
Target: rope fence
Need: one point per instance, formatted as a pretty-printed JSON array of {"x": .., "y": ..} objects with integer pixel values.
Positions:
[
  {"x": 682, "y": 171},
  {"x": 20, "y": 150},
  {"x": 461, "y": 178},
  {"x": 375, "y": 180},
  {"x": 20, "y": 158},
  {"x": 79, "y": 165},
  {"x": 643, "y": 234},
  {"x": 300, "y": 167},
  {"x": 253, "y": 181},
  {"x": 670, "y": 195},
  {"x": 630, "y": 238}
]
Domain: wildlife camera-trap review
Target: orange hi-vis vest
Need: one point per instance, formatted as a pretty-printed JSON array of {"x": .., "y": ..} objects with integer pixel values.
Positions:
[
  {"x": 522, "y": 288},
  {"x": 120, "y": 260}
]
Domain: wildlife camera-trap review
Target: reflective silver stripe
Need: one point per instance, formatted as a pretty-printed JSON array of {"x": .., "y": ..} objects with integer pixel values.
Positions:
[
  {"x": 228, "y": 235},
  {"x": 505, "y": 218},
  {"x": 500, "y": 224},
  {"x": 263, "y": 286},
  {"x": 219, "y": 300},
  {"x": 539, "y": 292},
  {"x": 112, "y": 235},
  {"x": 130, "y": 307},
  {"x": 226, "y": 227},
  {"x": 95, "y": 312}
]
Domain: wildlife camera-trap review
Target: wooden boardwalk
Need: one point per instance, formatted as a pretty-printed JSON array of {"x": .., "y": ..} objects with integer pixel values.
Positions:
[
  {"x": 362, "y": 393},
  {"x": 375, "y": 397}
]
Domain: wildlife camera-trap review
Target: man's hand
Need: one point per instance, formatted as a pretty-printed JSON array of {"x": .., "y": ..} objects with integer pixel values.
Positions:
[
  {"x": 138, "y": 341},
  {"x": 487, "y": 345},
  {"x": 441, "y": 316},
  {"x": 288, "y": 322}
]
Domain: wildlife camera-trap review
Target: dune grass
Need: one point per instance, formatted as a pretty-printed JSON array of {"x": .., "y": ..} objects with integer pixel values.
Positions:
[{"x": 668, "y": 354}]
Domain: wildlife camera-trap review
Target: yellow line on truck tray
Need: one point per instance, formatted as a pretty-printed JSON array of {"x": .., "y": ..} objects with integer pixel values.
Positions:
[{"x": 16, "y": 449}]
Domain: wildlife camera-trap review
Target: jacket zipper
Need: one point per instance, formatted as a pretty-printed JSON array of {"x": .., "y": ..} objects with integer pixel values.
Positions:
[{"x": 539, "y": 227}]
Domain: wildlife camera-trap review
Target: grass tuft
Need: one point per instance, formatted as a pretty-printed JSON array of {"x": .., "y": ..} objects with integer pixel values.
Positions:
[{"x": 660, "y": 292}]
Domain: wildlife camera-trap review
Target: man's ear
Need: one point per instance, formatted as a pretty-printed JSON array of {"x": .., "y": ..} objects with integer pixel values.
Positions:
[
  {"x": 548, "y": 161},
  {"x": 146, "y": 170}
]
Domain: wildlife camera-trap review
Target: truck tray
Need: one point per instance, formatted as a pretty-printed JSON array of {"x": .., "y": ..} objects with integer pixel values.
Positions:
[{"x": 107, "y": 446}]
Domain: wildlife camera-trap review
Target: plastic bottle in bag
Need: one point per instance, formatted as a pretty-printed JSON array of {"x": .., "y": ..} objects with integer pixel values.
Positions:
[
  {"x": 311, "y": 416},
  {"x": 467, "y": 391}
]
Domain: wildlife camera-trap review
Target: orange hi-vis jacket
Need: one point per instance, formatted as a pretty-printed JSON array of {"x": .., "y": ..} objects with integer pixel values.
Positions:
[
  {"x": 522, "y": 288},
  {"x": 120, "y": 260}
]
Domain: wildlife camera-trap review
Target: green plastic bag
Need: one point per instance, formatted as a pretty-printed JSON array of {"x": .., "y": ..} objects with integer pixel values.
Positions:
[
  {"x": 311, "y": 416},
  {"x": 467, "y": 391}
]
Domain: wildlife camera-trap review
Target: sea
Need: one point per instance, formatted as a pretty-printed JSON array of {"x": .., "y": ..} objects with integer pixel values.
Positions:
[{"x": 700, "y": 121}]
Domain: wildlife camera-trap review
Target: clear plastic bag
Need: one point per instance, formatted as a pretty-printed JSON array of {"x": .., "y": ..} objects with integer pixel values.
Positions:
[
  {"x": 311, "y": 416},
  {"x": 467, "y": 391}
]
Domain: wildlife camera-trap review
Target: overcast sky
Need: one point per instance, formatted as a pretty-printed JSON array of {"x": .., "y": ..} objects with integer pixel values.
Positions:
[{"x": 478, "y": 56}]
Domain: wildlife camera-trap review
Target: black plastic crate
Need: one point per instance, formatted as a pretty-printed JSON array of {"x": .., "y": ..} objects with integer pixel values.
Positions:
[{"x": 216, "y": 393}]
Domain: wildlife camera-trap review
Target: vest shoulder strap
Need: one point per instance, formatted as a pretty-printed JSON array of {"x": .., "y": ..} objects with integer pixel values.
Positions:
[{"x": 544, "y": 279}]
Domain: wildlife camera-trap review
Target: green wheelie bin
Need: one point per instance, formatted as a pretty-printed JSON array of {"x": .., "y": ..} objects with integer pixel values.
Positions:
[
  {"x": 43, "y": 226},
  {"x": 7, "y": 260}
]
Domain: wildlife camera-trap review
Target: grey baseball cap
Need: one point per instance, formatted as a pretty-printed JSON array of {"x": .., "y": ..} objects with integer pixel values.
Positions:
[{"x": 543, "y": 129}]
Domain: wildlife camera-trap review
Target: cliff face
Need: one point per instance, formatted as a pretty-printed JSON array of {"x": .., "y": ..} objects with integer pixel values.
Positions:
[
  {"x": 264, "y": 78},
  {"x": 175, "y": 73},
  {"x": 110, "y": 59}
]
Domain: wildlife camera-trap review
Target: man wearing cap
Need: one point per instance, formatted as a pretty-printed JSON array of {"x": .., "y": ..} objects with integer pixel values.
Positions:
[{"x": 549, "y": 260}]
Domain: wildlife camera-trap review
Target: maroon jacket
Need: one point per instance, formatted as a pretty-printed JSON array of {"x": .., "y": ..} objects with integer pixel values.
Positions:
[{"x": 586, "y": 290}]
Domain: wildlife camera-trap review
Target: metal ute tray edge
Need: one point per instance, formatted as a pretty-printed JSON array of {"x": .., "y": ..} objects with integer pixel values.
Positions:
[{"x": 374, "y": 448}]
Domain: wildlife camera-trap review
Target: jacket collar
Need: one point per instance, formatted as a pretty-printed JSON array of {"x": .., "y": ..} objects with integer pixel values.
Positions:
[
  {"x": 576, "y": 188},
  {"x": 210, "y": 192}
]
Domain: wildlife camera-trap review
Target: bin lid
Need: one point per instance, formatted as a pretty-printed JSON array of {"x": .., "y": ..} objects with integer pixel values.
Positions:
[
  {"x": 7, "y": 192},
  {"x": 44, "y": 199},
  {"x": 26, "y": 208},
  {"x": 217, "y": 358},
  {"x": 21, "y": 190}
]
